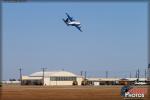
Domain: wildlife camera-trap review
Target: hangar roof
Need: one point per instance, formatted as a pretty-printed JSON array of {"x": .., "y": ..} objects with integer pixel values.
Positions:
[{"x": 53, "y": 73}]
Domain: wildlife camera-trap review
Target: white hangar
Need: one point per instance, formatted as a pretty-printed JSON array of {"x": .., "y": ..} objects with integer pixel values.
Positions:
[{"x": 52, "y": 78}]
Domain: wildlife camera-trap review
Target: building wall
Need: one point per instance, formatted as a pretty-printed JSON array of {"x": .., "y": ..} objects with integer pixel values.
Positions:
[
  {"x": 79, "y": 80},
  {"x": 47, "y": 81},
  {"x": 61, "y": 83},
  {"x": 96, "y": 83}
]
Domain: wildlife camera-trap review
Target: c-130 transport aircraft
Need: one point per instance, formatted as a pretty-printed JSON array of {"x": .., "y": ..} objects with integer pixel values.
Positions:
[{"x": 71, "y": 22}]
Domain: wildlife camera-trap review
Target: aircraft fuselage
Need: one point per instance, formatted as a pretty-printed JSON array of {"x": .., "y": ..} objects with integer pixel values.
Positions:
[{"x": 73, "y": 23}]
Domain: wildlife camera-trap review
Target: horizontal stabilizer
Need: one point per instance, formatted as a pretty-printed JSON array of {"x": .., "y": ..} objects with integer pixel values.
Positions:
[{"x": 65, "y": 21}]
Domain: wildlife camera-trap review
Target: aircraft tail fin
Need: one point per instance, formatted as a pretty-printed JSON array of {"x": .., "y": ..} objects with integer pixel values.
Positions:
[{"x": 66, "y": 21}]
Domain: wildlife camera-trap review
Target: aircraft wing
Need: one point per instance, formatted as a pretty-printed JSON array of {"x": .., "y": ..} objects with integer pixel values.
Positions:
[
  {"x": 70, "y": 18},
  {"x": 79, "y": 28}
]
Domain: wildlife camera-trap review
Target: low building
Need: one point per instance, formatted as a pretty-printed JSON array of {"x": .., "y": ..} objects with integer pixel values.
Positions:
[
  {"x": 103, "y": 81},
  {"x": 10, "y": 82},
  {"x": 52, "y": 78},
  {"x": 114, "y": 81}
]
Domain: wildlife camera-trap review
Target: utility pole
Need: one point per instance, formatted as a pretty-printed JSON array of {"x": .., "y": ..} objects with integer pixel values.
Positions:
[
  {"x": 145, "y": 73},
  {"x": 81, "y": 72},
  {"x": 43, "y": 69},
  {"x": 130, "y": 75},
  {"x": 85, "y": 74},
  {"x": 106, "y": 74},
  {"x": 148, "y": 73},
  {"x": 138, "y": 75},
  {"x": 20, "y": 70}
]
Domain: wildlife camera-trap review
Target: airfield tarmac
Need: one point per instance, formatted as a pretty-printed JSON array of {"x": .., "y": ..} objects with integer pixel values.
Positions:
[{"x": 17, "y": 92}]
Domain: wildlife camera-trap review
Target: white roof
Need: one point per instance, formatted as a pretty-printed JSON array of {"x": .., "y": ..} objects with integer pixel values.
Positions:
[
  {"x": 7, "y": 82},
  {"x": 140, "y": 79},
  {"x": 115, "y": 79},
  {"x": 103, "y": 79},
  {"x": 53, "y": 73},
  {"x": 31, "y": 78}
]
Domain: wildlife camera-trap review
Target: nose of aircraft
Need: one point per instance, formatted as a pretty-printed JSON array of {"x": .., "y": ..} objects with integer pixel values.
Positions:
[{"x": 78, "y": 23}]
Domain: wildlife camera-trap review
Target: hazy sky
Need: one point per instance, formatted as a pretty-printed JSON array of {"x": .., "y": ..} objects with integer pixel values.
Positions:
[{"x": 114, "y": 38}]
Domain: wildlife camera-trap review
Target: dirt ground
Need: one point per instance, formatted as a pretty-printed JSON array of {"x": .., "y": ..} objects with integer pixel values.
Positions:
[{"x": 15, "y": 92}]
